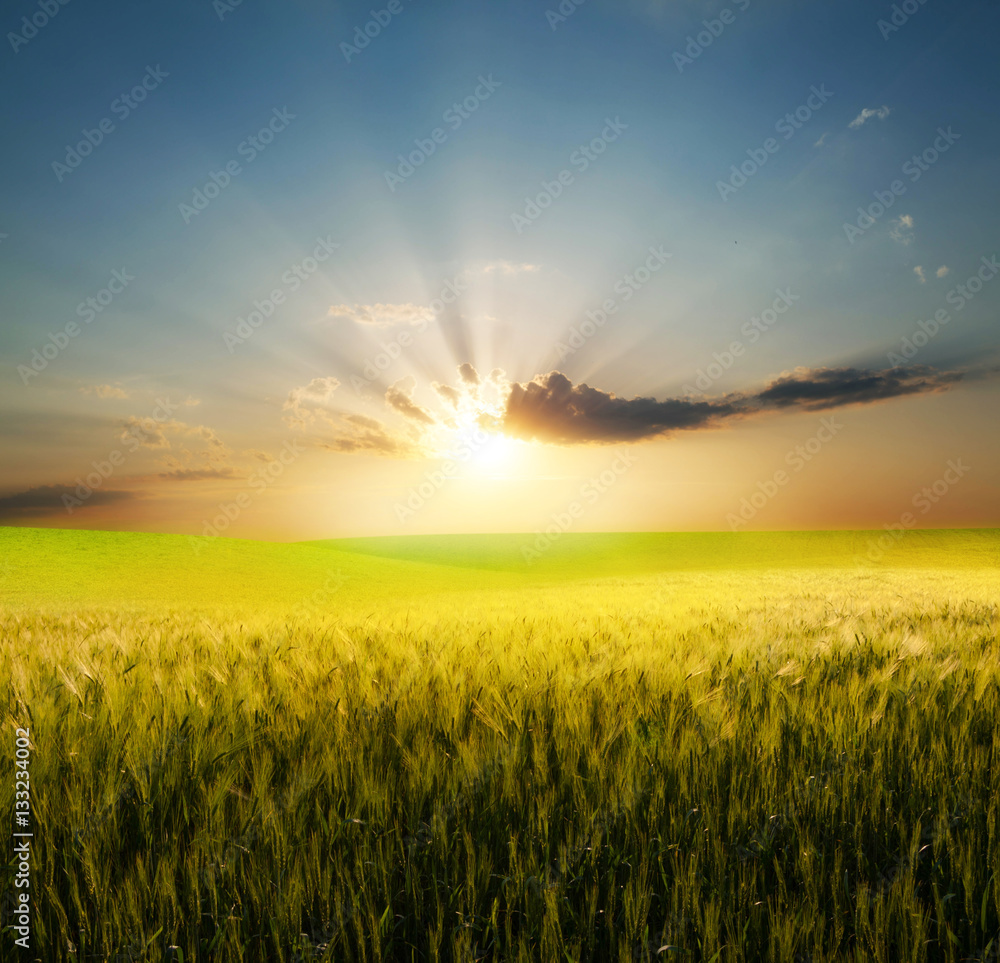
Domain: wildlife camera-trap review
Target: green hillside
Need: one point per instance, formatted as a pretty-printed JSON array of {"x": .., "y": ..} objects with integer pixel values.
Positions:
[{"x": 63, "y": 568}]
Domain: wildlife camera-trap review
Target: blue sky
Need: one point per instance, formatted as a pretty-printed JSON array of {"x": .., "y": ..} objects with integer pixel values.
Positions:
[{"x": 323, "y": 176}]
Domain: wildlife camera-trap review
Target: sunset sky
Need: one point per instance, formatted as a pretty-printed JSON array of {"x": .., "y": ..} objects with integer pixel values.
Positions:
[{"x": 269, "y": 276}]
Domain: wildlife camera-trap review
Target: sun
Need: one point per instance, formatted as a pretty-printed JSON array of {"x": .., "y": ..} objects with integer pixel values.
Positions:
[
  {"x": 482, "y": 450},
  {"x": 497, "y": 452}
]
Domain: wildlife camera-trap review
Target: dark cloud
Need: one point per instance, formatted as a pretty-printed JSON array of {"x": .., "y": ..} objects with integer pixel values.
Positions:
[
  {"x": 550, "y": 408},
  {"x": 818, "y": 388},
  {"x": 48, "y": 500}
]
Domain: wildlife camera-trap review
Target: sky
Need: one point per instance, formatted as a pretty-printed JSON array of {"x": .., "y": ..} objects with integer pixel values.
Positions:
[{"x": 314, "y": 270}]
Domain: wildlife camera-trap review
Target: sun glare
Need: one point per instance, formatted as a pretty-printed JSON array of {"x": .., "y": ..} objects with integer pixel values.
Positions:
[
  {"x": 482, "y": 451},
  {"x": 498, "y": 454}
]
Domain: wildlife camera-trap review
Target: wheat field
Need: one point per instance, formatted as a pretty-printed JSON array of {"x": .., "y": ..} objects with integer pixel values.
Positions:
[{"x": 639, "y": 747}]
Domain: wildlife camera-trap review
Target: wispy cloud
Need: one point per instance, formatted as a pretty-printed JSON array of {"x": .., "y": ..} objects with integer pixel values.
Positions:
[
  {"x": 382, "y": 315},
  {"x": 507, "y": 268},
  {"x": 104, "y": 391},
  {"x": 919, "y": 272},
  {"x": 880, "y": 112},
  {"x": 198, "y": 474},
  {"x": 366, "y": 435},
  {"x": 942, "y": 271}
]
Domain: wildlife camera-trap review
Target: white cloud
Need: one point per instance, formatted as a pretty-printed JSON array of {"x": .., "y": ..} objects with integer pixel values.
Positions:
[
  {"x": 382, "y": 315},
  {"x": 902, "y": 229},
  {"x": 942, "y": 271},
  {"x": 822, "y": 139},
  {"x": 880, "y": 112},
  {"x": 919, "y": 272},
  {"x": 508, "y": 268}
]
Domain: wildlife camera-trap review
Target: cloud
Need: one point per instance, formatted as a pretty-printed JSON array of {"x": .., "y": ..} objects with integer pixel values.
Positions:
[
  {"x": 353, "y": 432},
  {"x": 198, "y": 474},
  {"x": 468, "y": 374},
  {"x": 508, "y": 268},
  {"x": 919, "y": 272},
  {"x": 305, "y": 404},
  {"x": 449, "y": 394},
  {"x": 942, "y": 271},
  {"x": 880, "y": 112},
  {"x": 816, "y": 389},
  {"x": 181, "y": 462},
  {"x": 550, "y": 408},
  {"x": 382, "y": 315},
  {"x": 822, "y": 140},
  {"x": 370, "y": 436},
  {"x": 259, "y": 455},
  {"x": 217, "y": 448},
  {"x": 104, "y": 391},
  {"x": 902, "y": 229},
  {"x": 149, "y": 433},
  {"x": 399, "y": 397},
  {"x": 48, "y": 500},
  {"x": 363, "y": 421}
]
